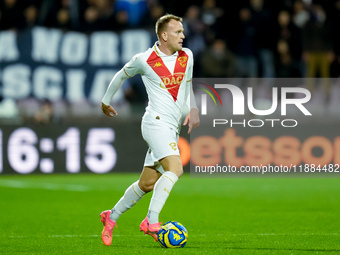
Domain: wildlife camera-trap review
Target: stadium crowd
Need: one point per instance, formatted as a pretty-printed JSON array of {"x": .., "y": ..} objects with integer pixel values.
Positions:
[{"x": 246, "y": 38}]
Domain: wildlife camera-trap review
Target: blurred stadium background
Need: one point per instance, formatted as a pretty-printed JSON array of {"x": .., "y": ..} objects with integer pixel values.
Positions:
[{"x": 57, "y": 58}]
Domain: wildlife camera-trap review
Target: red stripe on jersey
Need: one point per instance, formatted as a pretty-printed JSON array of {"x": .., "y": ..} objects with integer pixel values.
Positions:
[{"x": 171, "y": 82}]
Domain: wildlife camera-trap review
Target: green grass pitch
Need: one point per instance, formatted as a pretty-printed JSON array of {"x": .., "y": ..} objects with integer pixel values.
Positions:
[{"x": 59, "y": 214}]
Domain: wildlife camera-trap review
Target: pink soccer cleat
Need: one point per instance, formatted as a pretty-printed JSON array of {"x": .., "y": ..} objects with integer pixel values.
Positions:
[
  {"x": 150, "y": 229},
  {"x": 108, "y": 227}
]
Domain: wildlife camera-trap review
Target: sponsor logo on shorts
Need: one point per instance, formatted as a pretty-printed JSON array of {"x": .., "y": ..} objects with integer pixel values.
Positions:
[{"x": 173, "y": 146}]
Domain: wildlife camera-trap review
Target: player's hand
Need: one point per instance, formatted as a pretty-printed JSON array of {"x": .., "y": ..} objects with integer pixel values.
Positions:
[
  {"x": 192, "y": 119},
  {"x": 108, "y": 110}
]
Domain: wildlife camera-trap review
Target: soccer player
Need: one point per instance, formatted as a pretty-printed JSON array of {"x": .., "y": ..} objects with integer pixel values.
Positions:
[{"x": 166, "y": 71}]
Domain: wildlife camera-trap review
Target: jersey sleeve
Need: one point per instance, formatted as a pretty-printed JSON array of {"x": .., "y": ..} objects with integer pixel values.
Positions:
[
  {"x": 130, "y": 69},
  {"x": 134, "y": 66},
  {"x": 190, "y": 102},
  {"x": 190, "y": 65}
]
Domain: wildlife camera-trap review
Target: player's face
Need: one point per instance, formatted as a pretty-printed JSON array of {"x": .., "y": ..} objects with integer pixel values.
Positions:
[{"x": 175, "y": 35}]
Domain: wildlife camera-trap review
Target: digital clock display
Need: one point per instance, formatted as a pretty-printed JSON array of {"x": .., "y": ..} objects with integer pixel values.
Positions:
[
  {"x": 61, "y": 148},
  {"x": 26, "y": 150}
]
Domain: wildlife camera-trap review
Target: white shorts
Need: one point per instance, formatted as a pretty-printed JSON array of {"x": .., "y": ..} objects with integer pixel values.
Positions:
[{"x": 162, "y": 140}]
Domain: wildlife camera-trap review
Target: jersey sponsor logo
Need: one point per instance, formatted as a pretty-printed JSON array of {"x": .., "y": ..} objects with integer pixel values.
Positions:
[
  {"x": 158, "y": 64},
  {"x": 171, "y": 82}
]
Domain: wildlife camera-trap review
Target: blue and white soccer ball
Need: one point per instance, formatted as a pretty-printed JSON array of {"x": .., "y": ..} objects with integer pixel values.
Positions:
[{"x": 172, "y": 235}]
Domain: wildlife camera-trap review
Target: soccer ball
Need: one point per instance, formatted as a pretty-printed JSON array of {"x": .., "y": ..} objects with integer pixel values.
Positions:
[{"x": 172, "y": 235}]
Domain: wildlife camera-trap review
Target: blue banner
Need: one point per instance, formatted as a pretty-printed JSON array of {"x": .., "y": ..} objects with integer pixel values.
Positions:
[{"x": 53, "y": 64}]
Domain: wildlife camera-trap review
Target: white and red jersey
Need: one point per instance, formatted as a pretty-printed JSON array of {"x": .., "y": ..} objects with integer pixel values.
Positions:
[{"x": 167, "y": 80}]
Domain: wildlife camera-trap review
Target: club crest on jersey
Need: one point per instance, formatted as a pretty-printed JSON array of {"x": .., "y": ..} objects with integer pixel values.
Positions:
[{"x": 183, "y": 61}]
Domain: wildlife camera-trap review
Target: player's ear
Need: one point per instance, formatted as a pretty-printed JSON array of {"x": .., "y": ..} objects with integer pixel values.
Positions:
[{"x": 164, "y": 36}]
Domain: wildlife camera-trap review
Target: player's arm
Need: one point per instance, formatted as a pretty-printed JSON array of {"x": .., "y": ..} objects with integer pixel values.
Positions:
[
  {"x": 192, "y": 119},
  {"x": 132, "y": 68},
  {"x": 115, "y": 84}
]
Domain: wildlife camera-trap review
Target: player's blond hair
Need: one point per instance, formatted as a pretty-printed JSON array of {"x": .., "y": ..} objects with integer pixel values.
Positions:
[{"x": 163, "y": 21}]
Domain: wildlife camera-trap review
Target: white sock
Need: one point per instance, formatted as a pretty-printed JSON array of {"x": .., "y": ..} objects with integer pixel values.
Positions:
[
  {"x": 131, "y": 196},
  {"x": 160, "y": 194}
]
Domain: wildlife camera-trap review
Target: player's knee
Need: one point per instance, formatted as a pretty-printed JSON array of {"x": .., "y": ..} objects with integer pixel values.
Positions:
[
  {"x": 178, "y": 171},
  {"x": 146, "y": 187},
  {"x": 173, "y": 164}
]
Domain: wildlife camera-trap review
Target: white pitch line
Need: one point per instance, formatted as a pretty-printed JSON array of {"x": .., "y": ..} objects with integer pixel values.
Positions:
[
  {"x": 140, "y": 235},
  {"x": 43, "y": 185},
  {"x": 62, "y": 236},
  {"x": 284, "y": 234}
]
